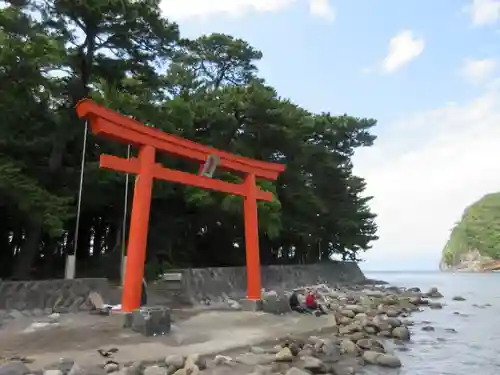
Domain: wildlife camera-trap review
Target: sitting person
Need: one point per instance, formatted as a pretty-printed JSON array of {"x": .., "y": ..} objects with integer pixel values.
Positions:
[
  {"x": 312, "y": 303},
  {"x": 295, "y": 304}
]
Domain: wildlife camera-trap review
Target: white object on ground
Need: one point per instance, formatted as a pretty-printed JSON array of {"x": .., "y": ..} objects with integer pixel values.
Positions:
[
  {"x": 114, "y": 308},
  {"x": 33, "y": 327}
]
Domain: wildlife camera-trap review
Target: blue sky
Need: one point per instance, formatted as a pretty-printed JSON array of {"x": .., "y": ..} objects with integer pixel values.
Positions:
[{"x": 426, "y": 70}]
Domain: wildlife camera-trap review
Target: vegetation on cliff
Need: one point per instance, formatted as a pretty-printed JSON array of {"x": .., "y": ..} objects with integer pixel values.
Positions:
[
  {"x": 125, "y": 55},
  {"x": 477, "y": 231}
]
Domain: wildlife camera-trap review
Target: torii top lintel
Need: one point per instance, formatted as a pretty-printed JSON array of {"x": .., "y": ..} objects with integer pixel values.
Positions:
[{"x": 113, "y": 125}]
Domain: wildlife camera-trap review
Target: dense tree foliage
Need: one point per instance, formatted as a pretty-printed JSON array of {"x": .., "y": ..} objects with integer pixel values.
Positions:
[
  {"x": 125, "y": 55},
  {"x": 478, "y": 230}
]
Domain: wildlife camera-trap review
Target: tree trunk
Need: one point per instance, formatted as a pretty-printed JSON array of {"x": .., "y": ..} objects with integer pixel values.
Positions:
[
  {"x": 6, "y": 253},
  {"x": 84, "y": 236},
  {"x": 99, "y": 231},
  {"x": 29, "y": 251}
]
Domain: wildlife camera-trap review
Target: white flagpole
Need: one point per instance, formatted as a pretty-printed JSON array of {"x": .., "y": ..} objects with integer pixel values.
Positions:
[
  {"x": 124, "y": 224},
  {"x": 71, "y": 258}
]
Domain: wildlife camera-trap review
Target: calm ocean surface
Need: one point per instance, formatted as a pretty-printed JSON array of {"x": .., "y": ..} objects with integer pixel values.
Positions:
[{"x": 475, "y": 348}]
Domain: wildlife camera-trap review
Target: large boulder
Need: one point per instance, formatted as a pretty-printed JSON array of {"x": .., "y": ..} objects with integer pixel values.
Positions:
[
  {"x": 275, "y": 303},
  {"x": 14, "y": 368}
]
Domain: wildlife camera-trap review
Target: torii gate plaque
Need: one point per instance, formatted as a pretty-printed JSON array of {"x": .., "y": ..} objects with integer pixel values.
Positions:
[{"x": 115, "y": 126}]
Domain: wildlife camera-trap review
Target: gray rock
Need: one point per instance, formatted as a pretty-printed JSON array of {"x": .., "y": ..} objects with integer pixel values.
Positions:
[
  {"x": 284, "y": 355},
  {"x": 314, "y": 365},
  {"x": 434, "y": 293},
  {"x": 428, "y": 328},
  {"x": 14, "y": 368},
  {"x": 388, "y": 360},
  {"x": 297, "y": 371},
  {"x": 392, "y": 313},
  {"x": 435, "y": 305},
  {"x": 315, "y": 340},
  {"x": 374, "y": 293},
  {"x": 330, "y": 349},
  {"x": 175, "y": 360},
  {"x": 220, "y": 371},
  {"x": 155, "y": 370},
  {"x": 261, "y": 370},
  {"x": 195, "y": 360},
  {"x": 172, "y": 370},
  {"x": 371, "y": 356},
  {"x": 111, "y": 367},
  {"x": 417, "y": 301},
  {"x": 365, "y": 344},
  {"x": 371, "y": 330},
  {"x": 38, "y": 312},
  {"x": 76, "y": 369},
  {"x": 318, "y": 347},
  {"x": 15, "y": 314},
  {"x": 257, "y": 350},
  {"x": 458, "y": 298},
  {"x": 276, "y": 367},
  {"x": 340, "y": 369},
  {"x": 294, "y": 348},
  {"x": 275, "y": 303},
  {"x": 4, "y": 315},
  {"x": 357, "y": 309},
  {"x": 135, "y": 368},
  {"x": 52, "y": 372},
  {"x": 344, "y": 320},
  {"x": 348, "y": 313},
  {"x": 64, "y": 365},
  {"x": 220, "y": 360},
  {"x": 401, "y": 333},
  {"x": 348, "y": 347},
  {"x": 191, "y": 369},
  {"x": 251, "y": 359},
  {"x": 356, "y": 336},
  {"x": 86, "y": 370},
  {"x": 393, "y": 322}
]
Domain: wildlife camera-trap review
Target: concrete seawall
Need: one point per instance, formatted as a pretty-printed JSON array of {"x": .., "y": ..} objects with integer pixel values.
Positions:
[
  {"x": 193, "y": 285},
  {"x": 182, "y": 287},
  {"x": 50, "y": 295}
]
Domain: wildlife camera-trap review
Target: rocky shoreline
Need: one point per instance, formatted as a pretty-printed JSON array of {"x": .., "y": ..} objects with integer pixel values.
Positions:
[
  {"x": 470, "y": 261},
  {"x": 372, "y": 325}
]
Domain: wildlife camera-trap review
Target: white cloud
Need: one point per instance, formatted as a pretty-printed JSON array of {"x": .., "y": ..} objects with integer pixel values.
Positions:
[
  {"x": 484, "y": 12},
  {"x": 321, "y": 9},
  {"x": 478, "y": 70},
  {"x": 403, "y": 47},
  {"x": 424, "y": 172},
  {"x": 184, "y": 9}
]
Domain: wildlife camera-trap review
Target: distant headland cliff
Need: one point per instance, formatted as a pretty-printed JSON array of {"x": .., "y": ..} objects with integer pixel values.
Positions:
[{"x": 474, "y": 243}]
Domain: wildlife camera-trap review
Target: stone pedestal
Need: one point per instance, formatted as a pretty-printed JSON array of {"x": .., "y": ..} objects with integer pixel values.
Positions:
[
  {"x": 276, "y": 304},
  {"x": 149, "y": 321},
  {"x": 251, "y": 304}
]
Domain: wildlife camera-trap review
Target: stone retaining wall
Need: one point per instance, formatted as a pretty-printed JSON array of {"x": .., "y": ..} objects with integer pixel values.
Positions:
[
  {"x": 193, "y": 285},
  {"x": 51, "y": 295}
]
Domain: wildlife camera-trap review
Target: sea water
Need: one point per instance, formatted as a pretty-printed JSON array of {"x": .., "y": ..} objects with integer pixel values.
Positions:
[{"x": 475, "y": 347}]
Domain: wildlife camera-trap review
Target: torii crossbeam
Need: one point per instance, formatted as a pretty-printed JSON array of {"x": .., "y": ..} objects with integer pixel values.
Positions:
[{"x": 115, "y": 126}]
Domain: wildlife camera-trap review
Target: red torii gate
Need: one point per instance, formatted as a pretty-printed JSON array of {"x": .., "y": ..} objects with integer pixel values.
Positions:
[{"x": 122, "y": 129}]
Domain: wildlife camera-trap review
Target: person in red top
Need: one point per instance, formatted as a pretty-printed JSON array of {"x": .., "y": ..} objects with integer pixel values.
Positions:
[{"x": 312, "y": 303}]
